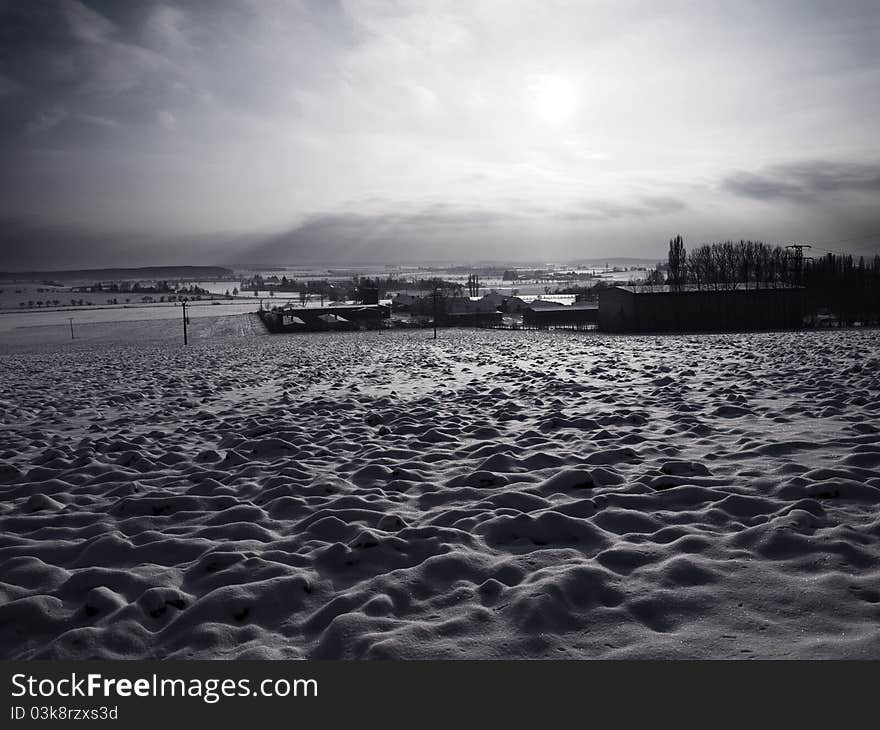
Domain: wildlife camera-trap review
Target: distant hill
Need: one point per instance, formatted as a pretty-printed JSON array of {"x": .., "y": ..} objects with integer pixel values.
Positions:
[{"x": 147, "y": 272}]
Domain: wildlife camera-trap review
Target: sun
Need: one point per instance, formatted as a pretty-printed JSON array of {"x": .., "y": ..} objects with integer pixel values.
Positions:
[{"x": 554, "y": 99}]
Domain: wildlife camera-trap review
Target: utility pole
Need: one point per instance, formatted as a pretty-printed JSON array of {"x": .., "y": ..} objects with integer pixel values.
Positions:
[
  {"x": 71, "y": 327},
  {"x": 185, "y": 321},
  {"x": 435, "y": 312},
  {"x": 798, "y": 261}
]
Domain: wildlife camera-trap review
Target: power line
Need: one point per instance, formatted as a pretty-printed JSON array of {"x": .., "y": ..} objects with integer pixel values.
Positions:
[
  {"x": 854, "y": 238},
  {"x": 822, "y": 244},
  {"x": 799, "y": 260}
]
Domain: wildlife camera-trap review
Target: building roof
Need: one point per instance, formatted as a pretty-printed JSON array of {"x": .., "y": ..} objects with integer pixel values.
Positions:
[
  {"x": 707, "y": 289},
  {"x": 290, "y": 308},
  {"x": 469, "y": 312},
  {"x": 542, "y": 305}
]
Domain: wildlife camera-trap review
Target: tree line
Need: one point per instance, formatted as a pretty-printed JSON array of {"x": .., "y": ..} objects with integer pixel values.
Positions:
[
  {"x": 844, "y": 287},
  {"x": 731, "y": 265},
  {"x": 835, "y": 285}
]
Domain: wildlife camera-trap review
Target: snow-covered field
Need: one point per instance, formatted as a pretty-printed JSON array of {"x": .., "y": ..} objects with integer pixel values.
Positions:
[
  {"x": 488, "y": 494},
  {"x": 45, "y": 325}
]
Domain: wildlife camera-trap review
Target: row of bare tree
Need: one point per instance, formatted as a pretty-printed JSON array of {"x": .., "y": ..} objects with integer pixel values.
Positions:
[
  {"x": 839, "y": 285},
  {"x": 846, "y": 288},
  {"x": 732, "y": 265}
]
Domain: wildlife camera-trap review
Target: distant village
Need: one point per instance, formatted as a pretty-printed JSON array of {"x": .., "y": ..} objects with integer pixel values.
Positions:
[
  {"x": 744, "y": 285},
  {"x": 730, "y": 286},
  {"x": 111, "y": 293},
  {"x": 423, "y": 301}
]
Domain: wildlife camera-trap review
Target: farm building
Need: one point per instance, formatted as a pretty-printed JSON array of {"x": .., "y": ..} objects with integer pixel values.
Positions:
[
  {"x": 457, "y": 304},
  {"x": 661, "y": 309},
  {"x": 513, "y": 305},
  {"x": 551, "y": 314},
  {"x": 487, "y": 304},
  {"x": 402, "y": 301},
  {"x": 315, "y": 319},
  {"x": 470, "y": 319}
]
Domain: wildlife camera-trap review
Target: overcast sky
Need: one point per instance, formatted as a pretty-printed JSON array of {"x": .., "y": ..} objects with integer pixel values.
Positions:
[{"x": 137, "y": 132}]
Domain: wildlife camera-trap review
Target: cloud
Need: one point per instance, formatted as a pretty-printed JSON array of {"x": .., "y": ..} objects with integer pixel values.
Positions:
[
  {"x": 597, "y": 209},
  {"x": 260, "y": 116},
  {"x": 518, "y": 229},
  {"x": 805, "y": 181},
  {"x": 420, "y": 218},
  {"x": 100, "y": 121},
  {"x": 46, "y": 120},
  {"x": 85, "y": 24},
  {"x": 33, "y": 245},
  {"x": 67, "y": 46},
  {"x": 166, "y": 24},
  {"x": 7, "y": 86},
  {"x": 167, "y": 120}
]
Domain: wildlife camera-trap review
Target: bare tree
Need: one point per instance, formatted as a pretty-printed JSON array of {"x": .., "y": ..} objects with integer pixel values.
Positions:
[{"x": 677, "y": 262}]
